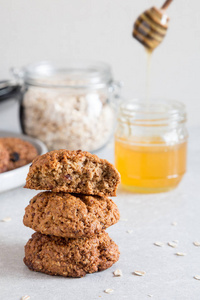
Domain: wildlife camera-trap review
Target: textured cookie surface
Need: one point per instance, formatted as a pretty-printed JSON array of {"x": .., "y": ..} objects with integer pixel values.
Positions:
[
  {"x": 66, "y": 215},
  {"x": 4, "y": 158},
  {"x": 73, "y": 172},
  {"x": 70, "y": 257},
  {"x": 20, "y": 152}
]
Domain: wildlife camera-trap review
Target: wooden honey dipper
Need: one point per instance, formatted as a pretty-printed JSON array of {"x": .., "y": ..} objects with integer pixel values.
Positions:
[{"x": 151, "y": 27}]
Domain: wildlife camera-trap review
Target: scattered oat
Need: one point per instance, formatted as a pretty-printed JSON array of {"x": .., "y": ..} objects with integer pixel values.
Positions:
[
  {"x": 7, "y": 219},
  {"x": 108, "y": 291},
  {"x": 159, "y": 244},
  {"x": 123, "y": 219},
  {"x": 174, "y": 223},
  {"x": 197, "y": 277},
  {"x": 150, "y": 295},
  {"x": 139, "y": 273},
  {"x": 180, "y": 254},
  {"x": 197, "y": 244},
  {"x": 26, "y": 297},
  {"x": 117, "y": 272},
  {"x": 173, "y": 244},
  {"x": 129, "y": 231}
]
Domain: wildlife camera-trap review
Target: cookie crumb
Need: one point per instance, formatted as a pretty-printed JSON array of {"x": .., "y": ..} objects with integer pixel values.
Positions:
[
  {"x": 26, "y": 297},
  {"x": 180, "y": 254},
  {"x": 117, "y": 273},
  {"x": 197, "y": 244},
  {"x": 174, "y": 223},
  {"x": 197, "y": 277},
  {"x": 159, "y": 244},
  {"x": 129, "y": 231},
  {"x": 7, "y": 219},
  {"x": 139, "y": 273},
  {"x": 108, "y": 291},
  {"x": 173, "y": 244}
]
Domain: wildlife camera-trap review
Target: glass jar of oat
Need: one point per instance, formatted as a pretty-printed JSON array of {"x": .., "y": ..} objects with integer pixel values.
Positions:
[{"x": 68, "y": 107}]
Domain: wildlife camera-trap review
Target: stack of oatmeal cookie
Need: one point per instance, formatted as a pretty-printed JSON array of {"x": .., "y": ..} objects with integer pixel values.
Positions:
[{"x": 71, "y": 216}]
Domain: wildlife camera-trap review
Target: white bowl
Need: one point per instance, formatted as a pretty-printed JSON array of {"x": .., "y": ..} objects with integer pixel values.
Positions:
[{"x": 14, "y": 178}]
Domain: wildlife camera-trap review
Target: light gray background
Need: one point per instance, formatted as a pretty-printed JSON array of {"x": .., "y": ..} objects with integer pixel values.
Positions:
[
  {"x": 101, "y": 30},
  {"x": 32, "y": 30}
]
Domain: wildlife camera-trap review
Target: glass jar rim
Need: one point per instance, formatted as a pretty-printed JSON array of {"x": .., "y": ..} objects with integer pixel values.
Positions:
[
  {"x": 71, "y": 74},
  {"x": 152, "y": 112}
]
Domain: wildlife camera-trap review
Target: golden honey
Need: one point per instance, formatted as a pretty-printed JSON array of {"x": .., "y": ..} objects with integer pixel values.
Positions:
[
  {"x": 150, "y": 168},
  {"x": 151, "y": 145}
]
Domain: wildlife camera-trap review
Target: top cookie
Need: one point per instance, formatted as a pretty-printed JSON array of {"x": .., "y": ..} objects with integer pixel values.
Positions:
[
  {"x": 20, "y": 152},
  {"x": 73, "y": 172}
]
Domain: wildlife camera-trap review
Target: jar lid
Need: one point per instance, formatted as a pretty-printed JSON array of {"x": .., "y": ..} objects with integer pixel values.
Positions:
[
  {"x": 77, "y": 74},
  {"x": 152, "y": 112}
]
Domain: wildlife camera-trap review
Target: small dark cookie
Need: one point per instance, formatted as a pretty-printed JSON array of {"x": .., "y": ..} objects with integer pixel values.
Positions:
[
  {"x": 70, "y": 257},
  {"x": 4, "y": 158},
  {"x": 71, "y": 216},
  {"x": 20, "y": 152}
]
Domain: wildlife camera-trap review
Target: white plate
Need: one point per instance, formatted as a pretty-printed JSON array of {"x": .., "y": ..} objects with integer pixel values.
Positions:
[{"x": 14, "y": 178}]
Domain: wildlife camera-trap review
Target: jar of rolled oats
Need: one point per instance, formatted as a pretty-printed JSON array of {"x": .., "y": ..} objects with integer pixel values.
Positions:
[{"x": 68, "y": 107}]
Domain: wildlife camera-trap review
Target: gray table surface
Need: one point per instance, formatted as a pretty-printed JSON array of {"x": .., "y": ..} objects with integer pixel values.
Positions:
[{"x": 150, "y": 218}]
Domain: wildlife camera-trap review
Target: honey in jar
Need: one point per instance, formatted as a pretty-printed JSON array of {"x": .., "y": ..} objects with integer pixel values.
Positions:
[{"x": 151, "y": 145}]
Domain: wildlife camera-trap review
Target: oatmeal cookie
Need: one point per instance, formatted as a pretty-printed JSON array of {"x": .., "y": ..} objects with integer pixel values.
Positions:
[
  {"x": 20, "y": 152},
  {"x": 71, "y": 216},
  {"x": 70, "y": 257},
  {"x": 73, "y": 172},
  {"x": 4, "y": 158}
]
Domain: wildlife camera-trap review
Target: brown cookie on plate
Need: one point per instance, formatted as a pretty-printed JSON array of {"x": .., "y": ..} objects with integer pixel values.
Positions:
[
  {"x": 70, "y": 257},
  {"x": 73, "y": 172},
  {"x": 72, "y": 216},
  {"x": 4, "y": 158},
  {"x": 20, "y": 152}
]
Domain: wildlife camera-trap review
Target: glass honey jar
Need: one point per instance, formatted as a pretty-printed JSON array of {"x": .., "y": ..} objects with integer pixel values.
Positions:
[{"x": 151, "y": 145}]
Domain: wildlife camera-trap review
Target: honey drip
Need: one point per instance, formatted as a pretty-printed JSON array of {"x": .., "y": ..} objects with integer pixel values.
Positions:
[{"x": 148, "y": 76}]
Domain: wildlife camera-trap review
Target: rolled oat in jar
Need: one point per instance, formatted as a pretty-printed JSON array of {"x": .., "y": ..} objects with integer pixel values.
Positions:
[{"x": 69, "y": 108}]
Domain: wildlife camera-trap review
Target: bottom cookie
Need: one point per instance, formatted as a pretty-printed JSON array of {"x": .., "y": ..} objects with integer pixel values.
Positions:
[{"x": 70, "y": 257}]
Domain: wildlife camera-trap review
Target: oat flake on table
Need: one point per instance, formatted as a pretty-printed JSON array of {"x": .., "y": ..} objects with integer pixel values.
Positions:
[
  {"x": 7, "y": 219},
  {"x": 26, "y": 297},
  {"x": 173, "y": 244},
  {"x": 108, "y": 291},
  {"x": 197, "y": 277},
  {"x": 159, "y": 244},
  {"x": 139, "y": 273},
  {"x": 174, "y": 223},
  {"x": 117, "y": 273},
  {"x": 197, "y": 244},
  {"x": 180, "y": 254}
]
